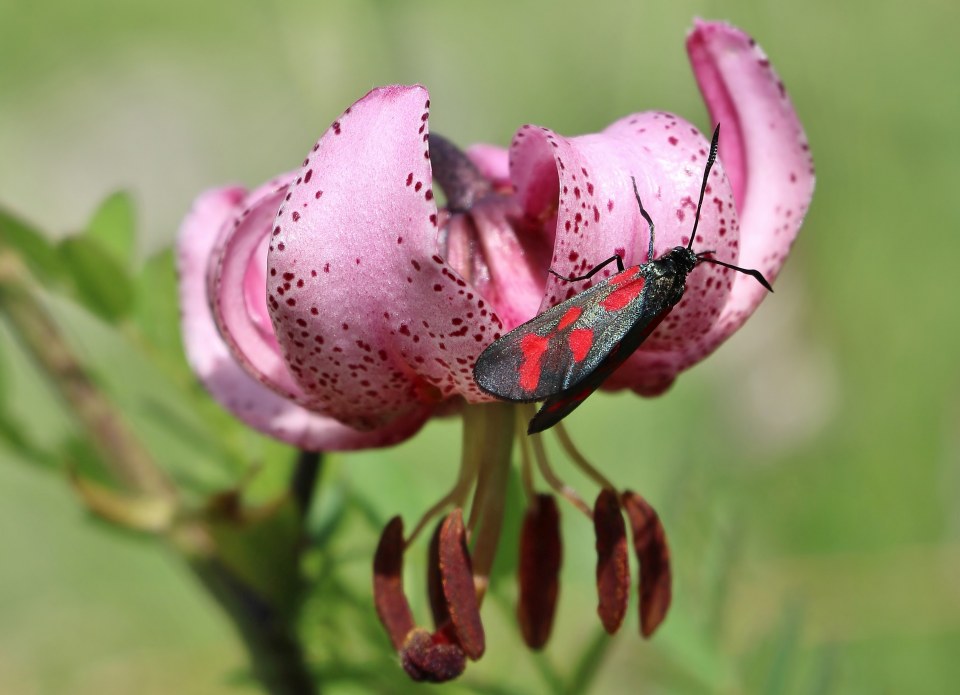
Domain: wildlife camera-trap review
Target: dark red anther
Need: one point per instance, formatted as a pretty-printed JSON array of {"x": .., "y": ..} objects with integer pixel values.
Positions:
[
  {"x": 613, "y": 567},
  {"x": 541, "y": 554},
  {"x": 650, "y": 545},
  {"x": 438, "y": 602},
  {"x": 426, "y": 658},
  {"x": 391, "y": 603},
  {"x": 456, "y": 575}
]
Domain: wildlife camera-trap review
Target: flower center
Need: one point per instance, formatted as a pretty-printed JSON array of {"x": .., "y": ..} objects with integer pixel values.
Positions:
[
  {"x": 461, "y": 552},
  {"x": 486, "y": 239}
]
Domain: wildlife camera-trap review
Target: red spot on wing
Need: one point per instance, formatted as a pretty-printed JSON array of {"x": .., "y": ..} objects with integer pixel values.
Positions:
[
  {"x": 623, "y": 295},
  {"x": 572, "y": 314},
  {"x": 581, "y": 340},
  {"x": 626, "y": 276},
  {"x": 533, "y": 346}
]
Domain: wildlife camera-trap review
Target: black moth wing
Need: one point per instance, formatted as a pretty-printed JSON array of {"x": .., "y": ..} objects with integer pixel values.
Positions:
[
  {"x": 501, "y": 367},
  {"x": 661, "y": 293},
  {"x": 558, "y": 406}
]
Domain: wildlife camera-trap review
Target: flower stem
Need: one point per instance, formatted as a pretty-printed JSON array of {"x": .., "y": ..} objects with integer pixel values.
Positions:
[
  {"x": 118, "y": 448},
  {"x": 276, "y": 655},
  {"x": 303, "y": 482}
]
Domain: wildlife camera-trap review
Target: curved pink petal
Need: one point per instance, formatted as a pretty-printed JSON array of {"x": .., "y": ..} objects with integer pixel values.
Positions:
[
  {"x": 772, "y": 172},
  {"x": 598, "y": 215},
  {"x": 750, "y": 219},
  {"x": 236, "y": 285},
  {"x": 375, "y": 323},
  {"x": 213, "y": 363},
  {"x": 765, "y": 150}
]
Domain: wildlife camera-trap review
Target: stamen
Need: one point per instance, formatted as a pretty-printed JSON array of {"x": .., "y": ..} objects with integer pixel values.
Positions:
[
  {"x": 551, "y": 478},
  {"x": 650, "y": 546},
  {"x": 579, "y": 459},
  {"x": 426, "y": 658},
  {"x": 457, "y": 578},
  {"x": 438, "y": 602},
  {"x": 541, "y": 555},
  {"x": 492, "y": 438},
  {"x": 526, "y": 465},
  {"x": 613, "y": 567},
  {"x": 456, "y": 174},
  {"x": 469, "y": 468},
  {"x": 388, "y": 596}
]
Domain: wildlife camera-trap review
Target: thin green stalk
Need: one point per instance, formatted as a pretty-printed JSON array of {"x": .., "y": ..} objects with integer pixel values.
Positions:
[
  {"x": 271, "y": 639},
  {"x": 116, "y": 445}
]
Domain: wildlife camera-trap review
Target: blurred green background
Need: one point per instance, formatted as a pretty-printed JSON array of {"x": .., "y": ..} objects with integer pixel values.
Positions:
[{"x": 808, "y": 474}]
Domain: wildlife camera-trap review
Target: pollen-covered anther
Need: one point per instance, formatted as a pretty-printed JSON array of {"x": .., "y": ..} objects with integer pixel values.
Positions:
[
  {"x": 430, "y": 658},
  {"x": 653, "y": 555},
  {"x": 391, "y": 603},
  {"x": 541, "y": 555},
  {"x": 438, "y": 602},
  {"x": 613, "y": 568},
  {"x": 456, "y": 577}
]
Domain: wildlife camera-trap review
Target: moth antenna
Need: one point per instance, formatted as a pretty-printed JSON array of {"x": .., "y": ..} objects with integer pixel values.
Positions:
[
  {"x": 646, "y": 216},
  {"x": 703, "y": 187},
  {"x": 746, "y": 271}
]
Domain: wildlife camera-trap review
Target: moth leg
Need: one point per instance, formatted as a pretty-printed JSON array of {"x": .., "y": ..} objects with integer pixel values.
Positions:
[{"x": 596, "y": 269}]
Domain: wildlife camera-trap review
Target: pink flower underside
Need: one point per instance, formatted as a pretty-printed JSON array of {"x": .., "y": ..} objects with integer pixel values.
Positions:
[
  {"x": 757, "y": 196},
  {"x": 375, "y": 329},
  {"x": 208, "y": 355},
  {"x": 374, "y": 323}
]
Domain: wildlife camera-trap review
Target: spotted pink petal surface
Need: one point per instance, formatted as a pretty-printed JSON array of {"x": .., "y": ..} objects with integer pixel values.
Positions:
[
  {"x": 598, "y": 214},
  {"x": 772, "y": 169},
  {"x": 249, "y": 400},
  {"x": 372, "y": 322},
  {"x": 582, "y": 187},
  {"x": 375, "y": 305}
]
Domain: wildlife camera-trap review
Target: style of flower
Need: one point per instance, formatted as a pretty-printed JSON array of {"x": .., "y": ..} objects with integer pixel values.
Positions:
[{"x": 337, "y": 307}]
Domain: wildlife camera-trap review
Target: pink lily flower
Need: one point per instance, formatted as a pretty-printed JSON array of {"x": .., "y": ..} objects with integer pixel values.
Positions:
[{"x": 338, "y": 307}]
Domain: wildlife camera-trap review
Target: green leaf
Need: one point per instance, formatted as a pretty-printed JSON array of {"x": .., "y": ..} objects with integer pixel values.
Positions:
[
  {"x": 157, "y": 309},
  {"x": 34, "y": 249},
  {"x": 134, "y": 512},
  {"x": 113, "y": 226},
  {"x": 96, "y": 279},
  {"x": 13, "y": 437}
]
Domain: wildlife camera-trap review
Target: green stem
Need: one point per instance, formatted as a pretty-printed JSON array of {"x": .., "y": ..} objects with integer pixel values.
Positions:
[
  {"x": 275, "y": 652},
  {"x": 303, "y": 482},
  {"x": 276, "y": 655},
  {"x": 40, "y": 336}
]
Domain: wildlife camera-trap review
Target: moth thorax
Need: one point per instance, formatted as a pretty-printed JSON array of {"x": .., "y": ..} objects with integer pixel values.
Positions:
[{"x": 683, "y": 258}]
